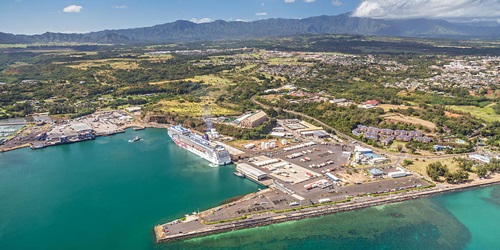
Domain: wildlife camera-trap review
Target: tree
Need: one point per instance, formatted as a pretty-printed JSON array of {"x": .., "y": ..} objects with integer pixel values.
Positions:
[
  {"x": 465, "y": 165},
  {"x": 407, "y": 162},
  {"x": 437, "y": 169},
  {"x": 482, "y": 171},
  {"x": 494, "y": 165}
]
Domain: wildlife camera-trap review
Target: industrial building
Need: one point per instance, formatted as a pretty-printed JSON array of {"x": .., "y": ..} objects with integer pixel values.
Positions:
[
  {"x": 481, "y": 158},
  {"x": 365, "y": 154},
  {"x": 376, "y": 172},
  {"x": 333, "y": 177},
  {"x": 254, "y": 120},
  {"x": 251, "y": 172},
  {"x": 397, "y": 174}
]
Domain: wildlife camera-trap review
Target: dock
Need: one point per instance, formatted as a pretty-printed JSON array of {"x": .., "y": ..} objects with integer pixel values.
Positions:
[{"x": 196, "y": 227}]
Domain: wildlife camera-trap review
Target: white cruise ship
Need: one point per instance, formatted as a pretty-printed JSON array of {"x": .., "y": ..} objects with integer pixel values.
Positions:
[{"x": 199, "y": 145}]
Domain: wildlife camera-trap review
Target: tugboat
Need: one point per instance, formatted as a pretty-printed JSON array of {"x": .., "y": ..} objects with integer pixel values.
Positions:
[
  {"x": 239, "y": 174},
  {"x": 137, "y": 138}
]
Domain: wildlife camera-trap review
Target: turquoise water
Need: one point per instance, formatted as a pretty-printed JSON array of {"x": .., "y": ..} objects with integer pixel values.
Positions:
[
  {"x": 109, "y": 193},
  {"x": 105, "y": 194}
]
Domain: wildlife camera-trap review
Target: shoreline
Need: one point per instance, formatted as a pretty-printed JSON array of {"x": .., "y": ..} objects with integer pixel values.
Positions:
[
  {"x": 321, "y": 210},
  {"x": 120, "y": 129}
]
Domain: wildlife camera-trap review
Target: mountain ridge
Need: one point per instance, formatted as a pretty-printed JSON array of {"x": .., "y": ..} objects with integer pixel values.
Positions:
[{"x": 187, "y": 31}]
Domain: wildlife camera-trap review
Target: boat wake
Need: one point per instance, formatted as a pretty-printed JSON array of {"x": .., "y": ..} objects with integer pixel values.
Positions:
[{"x": 137, "y": 138}]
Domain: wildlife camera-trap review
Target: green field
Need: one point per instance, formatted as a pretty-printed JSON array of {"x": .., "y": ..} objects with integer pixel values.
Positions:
[{"x": 487, "y": 113}]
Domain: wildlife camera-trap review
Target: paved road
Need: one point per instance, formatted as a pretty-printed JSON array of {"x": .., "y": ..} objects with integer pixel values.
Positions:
[{"x": 379, "y": 151}]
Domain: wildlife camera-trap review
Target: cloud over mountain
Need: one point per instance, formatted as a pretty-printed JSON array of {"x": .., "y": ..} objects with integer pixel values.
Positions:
[{"x": 459, "y": 10}]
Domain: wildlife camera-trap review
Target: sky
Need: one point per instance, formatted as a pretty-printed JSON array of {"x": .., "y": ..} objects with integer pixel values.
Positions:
[{"x": 80, "y": 16}]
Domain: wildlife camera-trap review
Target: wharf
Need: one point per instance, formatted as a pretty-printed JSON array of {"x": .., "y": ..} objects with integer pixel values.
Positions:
[{"x": 196, "y": 227}]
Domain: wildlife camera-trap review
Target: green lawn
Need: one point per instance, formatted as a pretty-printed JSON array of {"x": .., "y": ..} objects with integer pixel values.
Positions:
[{"x": 487, "y": 113}]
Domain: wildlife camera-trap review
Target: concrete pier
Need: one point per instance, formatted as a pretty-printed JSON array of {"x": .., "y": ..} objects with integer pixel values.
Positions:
[{"x": 180, "y": 230}]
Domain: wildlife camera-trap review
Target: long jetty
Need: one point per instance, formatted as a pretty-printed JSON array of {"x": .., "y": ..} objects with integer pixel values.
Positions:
[{"x": 205, "y": 230}]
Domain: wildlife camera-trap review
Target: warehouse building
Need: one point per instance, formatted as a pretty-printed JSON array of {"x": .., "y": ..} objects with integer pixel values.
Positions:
[
  {"x": 254, "y": 120},
  {"x": 251, "y": 172}
]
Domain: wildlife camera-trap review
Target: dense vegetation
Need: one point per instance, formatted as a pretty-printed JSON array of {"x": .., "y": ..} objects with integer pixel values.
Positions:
[
  {"x": 76, "y": 80},
  {"x": 437, "y": 169}
]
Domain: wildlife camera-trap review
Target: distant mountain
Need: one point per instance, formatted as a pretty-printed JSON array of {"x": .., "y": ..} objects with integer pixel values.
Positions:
[{"x": 184, "y": 31}]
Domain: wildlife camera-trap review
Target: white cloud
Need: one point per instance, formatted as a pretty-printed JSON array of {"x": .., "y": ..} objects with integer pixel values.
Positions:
[
  {"x": 203, "y": 20},
  {"x": 337, "y": 2},
  {"x": 73, "y": 9},
  {"x": 436, "y": 9},
  {"x": 119, "y": 6},
  {"x": 309, "y": 1},
  {"x": 261, "y": 14},
  {"x": 289, "y": 1}
]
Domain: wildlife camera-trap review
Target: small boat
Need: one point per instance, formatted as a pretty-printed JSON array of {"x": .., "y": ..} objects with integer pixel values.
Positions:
[
  {"x": 239, "y": 174},
  {"x": 137, "y": 138},
  {"x": 139, "y": 128}
]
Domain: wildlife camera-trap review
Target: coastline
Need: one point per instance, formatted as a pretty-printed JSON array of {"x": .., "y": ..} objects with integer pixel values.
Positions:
[
  {"x": 136, "y": 123},
  {"x": 321, "y": 210},
  {"x": 294, "y": 213}
]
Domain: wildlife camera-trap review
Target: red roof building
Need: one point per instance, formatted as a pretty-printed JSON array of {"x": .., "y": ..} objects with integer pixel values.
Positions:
[{"x": 371, "y": 102}]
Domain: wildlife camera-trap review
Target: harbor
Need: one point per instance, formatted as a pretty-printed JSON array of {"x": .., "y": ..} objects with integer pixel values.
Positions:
[
  {"x": 301, "y": 177},
  {"x": 287, "y": 197},
  {"x": 192, "y": 226},
  {"x": 46, "y": 133}
]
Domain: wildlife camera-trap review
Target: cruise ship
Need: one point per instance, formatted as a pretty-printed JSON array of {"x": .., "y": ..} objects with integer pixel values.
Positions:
[{"x": 199, "y": 145}]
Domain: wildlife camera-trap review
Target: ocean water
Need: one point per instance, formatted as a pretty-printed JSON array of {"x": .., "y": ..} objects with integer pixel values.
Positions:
[{"x": 109, "y": 193}]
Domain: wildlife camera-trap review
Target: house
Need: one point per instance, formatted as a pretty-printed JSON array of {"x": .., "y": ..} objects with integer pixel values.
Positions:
[
  {"x": 415, "y": 134},
  {"x": 400, "y": 132},
  {"x": 362, "y": 128},
  {"x": 440, "y": 147},
  {"x": 424, "y": 139},
  {"x": 369, "y": 104},
  {"x": 339, "y": 100},
  {"x": 386, "y": 131},
  {"x": 371, "y": 135},
  {"x": 373, "y": 130},
  {"x": 356, "y": 132},
  {"x": 404, "y": 138},
  {"x": 388, "y": 140}
]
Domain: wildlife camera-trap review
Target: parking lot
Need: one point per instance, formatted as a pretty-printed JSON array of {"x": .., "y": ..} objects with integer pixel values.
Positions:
[
  {"x": 339, "y": 192},
  {"x": 271, "y": 200}
]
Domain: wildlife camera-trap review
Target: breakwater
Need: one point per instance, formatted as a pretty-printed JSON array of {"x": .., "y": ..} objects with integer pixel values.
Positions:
[{"x": 161, "y": 237}]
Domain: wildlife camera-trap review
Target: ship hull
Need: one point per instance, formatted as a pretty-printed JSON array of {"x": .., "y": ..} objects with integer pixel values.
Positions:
[{"x": 211, "y": 158}]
